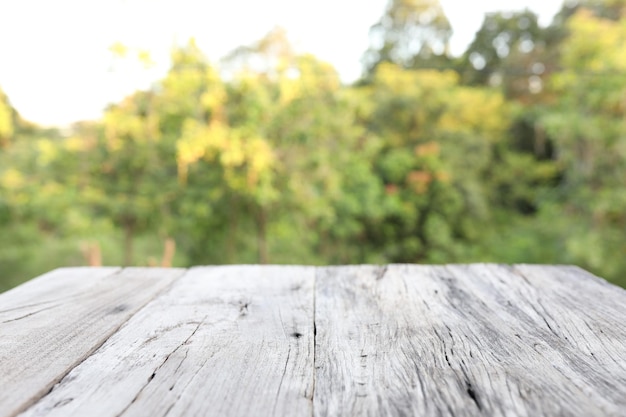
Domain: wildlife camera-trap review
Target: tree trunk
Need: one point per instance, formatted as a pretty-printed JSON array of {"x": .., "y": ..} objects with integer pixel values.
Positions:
[
  {"x": 129, "y": 232},
  {"x": 262, "y": 236},
  {"x": 92, "y": 254},
  {"x": 168, "y": 252},
  {"x": 232, "y": 231},
  {"x": 540, "y": 141}
]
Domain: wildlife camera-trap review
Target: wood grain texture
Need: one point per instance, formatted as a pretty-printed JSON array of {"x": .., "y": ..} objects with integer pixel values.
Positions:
[
  {"x": 406, "y": 340},
  {"x": 224, "y": 341},
  {"x": 397, "y": 340},
  {"x": 52, "y": 323}
]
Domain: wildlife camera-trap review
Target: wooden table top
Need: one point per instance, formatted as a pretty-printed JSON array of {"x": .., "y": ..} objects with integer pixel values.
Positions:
[{"x": 396, "y": 340}]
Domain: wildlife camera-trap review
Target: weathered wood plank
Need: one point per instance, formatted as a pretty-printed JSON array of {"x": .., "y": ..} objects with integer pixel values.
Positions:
[
  {"x": 468, "y": 340},
  {"x": 224, "y": 341},
  {"x": 52, "y": 323},
  {"x": 587, "y": 318}
]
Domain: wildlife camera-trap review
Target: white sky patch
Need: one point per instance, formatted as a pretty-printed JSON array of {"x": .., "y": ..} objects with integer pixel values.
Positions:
[{"x": 56, "y": 68}]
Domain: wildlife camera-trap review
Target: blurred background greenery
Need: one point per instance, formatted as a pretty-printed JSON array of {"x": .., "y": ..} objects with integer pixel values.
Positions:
[{"x": 514, "y": 151}]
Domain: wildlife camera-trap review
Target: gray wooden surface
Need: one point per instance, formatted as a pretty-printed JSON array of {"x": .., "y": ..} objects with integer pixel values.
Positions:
[{"x": 396, "y": 340}]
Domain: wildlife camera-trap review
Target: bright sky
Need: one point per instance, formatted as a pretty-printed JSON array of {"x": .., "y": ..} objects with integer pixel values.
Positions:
[{"x": 56, "y": 68}]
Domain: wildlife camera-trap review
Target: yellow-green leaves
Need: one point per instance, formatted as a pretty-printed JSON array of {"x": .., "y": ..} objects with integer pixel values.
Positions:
[
  {"x": 479, "y": 111},
  {"x": 12, "y": 179},
  {"x": 6, "y": 121},
  {"x": 246, "y": 159},
  {"x": 308, "y": 77},
  {"x": 595, "y": 44}
]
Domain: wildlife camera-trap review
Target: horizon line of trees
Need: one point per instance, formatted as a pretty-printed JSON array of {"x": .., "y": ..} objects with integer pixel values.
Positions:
[{"x": 513, "y": 152}]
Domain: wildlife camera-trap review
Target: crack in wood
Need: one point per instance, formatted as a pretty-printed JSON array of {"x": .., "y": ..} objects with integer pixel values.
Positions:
[
  {"x": 180, "y": 394},
  {"x": 380, "y": 274},
  {"x": 472, "y": 394},
  {"x": 29, "y": 314},
  {"x": 25, "y": 306},
  {"x": 280, "y": 384},
  {"x": 544, "y": 319},
  {"x": 151, "y": 378}
]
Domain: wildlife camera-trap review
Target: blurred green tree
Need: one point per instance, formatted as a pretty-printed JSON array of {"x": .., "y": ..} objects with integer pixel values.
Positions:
[
  {"x": 588, "y": 123},
  {"x": 411, "y": 34},
  {"x": 438, "y": 141}
]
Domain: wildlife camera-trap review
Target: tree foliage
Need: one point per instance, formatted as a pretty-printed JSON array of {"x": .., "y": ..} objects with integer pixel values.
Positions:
[
  {"x": 514, "y": 152},
  {"x": 411, "y": 34}
]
